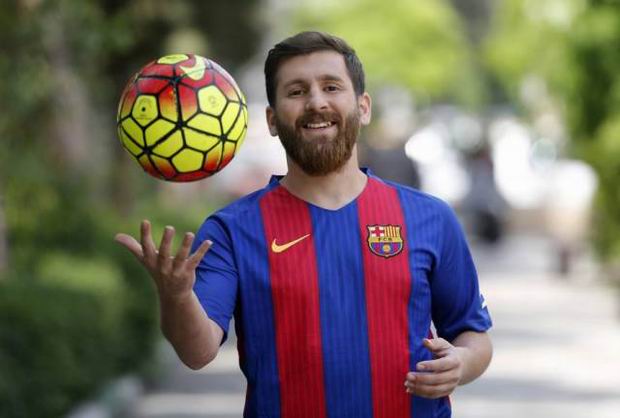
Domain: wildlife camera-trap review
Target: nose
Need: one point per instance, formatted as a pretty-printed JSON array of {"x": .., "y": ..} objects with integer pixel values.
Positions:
[{"x": 316, "y": 100}]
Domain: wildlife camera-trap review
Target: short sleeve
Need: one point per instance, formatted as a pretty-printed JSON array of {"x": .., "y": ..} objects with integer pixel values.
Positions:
[
  {"x": 457, "y": 304},
  {"x": 216, "y": 275}
]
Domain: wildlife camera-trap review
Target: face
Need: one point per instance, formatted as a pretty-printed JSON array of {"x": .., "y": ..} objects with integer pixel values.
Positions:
[{"x": 317, "y": 114}]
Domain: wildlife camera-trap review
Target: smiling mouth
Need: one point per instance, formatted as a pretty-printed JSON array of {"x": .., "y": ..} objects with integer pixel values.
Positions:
[{"x": 320, "y": 125}]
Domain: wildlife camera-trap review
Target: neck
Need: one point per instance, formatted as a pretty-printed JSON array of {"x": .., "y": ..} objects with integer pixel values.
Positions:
[{"x": 331, "y": 191}]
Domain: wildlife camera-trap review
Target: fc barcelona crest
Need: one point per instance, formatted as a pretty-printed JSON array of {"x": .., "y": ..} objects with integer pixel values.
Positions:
[{"x": 385, "y": 240}]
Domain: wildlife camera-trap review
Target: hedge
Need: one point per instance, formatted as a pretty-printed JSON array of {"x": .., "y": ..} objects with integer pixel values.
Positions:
[{"x": 61, "y": 341}]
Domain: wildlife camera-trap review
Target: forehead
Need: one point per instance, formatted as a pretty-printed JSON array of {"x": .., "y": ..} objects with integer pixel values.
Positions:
[{"x": 314, "y": 66}]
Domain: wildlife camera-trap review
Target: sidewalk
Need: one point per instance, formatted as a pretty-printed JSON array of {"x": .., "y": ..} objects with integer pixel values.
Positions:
[
  {"x": 218, "y": 391},
  {"x": 557, "y": 349},
  {"x": 556, "y": 340}
]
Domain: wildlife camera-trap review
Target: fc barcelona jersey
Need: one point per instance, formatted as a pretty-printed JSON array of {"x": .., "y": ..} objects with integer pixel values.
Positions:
[{"x": 331, "y": 306}]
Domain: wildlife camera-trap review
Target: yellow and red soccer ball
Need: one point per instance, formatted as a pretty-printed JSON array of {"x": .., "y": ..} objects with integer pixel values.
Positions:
[{"x": 182, "y": 117}]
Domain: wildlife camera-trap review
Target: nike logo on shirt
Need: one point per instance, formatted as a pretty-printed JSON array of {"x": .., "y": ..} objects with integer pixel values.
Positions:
[{"x": 281, "y": 248}]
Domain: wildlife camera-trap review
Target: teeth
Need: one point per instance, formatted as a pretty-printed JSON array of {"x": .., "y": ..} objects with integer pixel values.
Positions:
[{"x": 319, "y": 125}]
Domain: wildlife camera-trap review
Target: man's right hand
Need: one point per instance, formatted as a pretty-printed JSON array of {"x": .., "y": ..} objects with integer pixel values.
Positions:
[
  {"x": 195, "y": 337},
  {"x": 174, "y": 276}
]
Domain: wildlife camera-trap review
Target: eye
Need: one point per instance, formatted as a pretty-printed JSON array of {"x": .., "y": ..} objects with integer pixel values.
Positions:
[
  {"x": 295, "y": 92},
  {"x": 332, "y": 87}
]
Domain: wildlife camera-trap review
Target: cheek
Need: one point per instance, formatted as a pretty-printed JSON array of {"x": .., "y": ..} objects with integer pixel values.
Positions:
[{"x": 288, "y": 112}]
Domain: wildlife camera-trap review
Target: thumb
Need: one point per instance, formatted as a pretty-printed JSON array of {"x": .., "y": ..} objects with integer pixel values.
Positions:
[
  {"x": 131, "y": 244},
  {"x": 436, "y": 345}
]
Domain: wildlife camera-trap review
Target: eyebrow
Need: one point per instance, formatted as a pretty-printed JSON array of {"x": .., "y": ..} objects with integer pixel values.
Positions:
[{"x": 325, "y": 77}]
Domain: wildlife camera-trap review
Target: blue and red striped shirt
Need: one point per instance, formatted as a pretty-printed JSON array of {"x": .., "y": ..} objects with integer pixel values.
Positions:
[{"x": 331, "y": 306}]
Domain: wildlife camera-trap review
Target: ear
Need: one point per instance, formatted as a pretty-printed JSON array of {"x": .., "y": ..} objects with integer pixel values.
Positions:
[
  {"x": 271, "y": 121},
  {"x": 364, "y": 103}
]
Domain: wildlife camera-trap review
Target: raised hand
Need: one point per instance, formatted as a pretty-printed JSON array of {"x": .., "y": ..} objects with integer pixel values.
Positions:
[{"x": 174, "y": 276}]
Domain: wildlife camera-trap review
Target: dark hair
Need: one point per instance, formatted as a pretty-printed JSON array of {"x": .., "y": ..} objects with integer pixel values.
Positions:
[{"x": 306, "y": 43}]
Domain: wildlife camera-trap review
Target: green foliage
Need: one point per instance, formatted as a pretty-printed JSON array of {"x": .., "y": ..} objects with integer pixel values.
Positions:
[
  {"x": 573, "y": 46},
  {"x": 529, "y": 38},
  {"x": 43, "y": 213},
  {"x": 595, "y": 95},
  {"x": 419, "y": 45},
  {"x": 76, "y": 309},
  {"x": 603, "y": 152},
  {"x": 593, "y": 111},
  {"x": 56, "y": 345},
  {"x": 83, "y": 274}
]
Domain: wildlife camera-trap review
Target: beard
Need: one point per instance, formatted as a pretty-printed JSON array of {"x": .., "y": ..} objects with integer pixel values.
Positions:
[{"x": 320, "y": 156}]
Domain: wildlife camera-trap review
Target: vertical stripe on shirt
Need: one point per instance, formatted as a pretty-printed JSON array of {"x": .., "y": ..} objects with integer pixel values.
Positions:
[
  {"x": 294, "y": 287},
  {"x": 422, "y": 236},
  {"x": 255, "y": 319},
  {"x": 388, "y": 289},
  {"x": 344, "y": 329}
]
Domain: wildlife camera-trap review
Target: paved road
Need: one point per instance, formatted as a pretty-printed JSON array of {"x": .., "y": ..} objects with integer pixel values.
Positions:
[
  {"x": 557, "y": 349},
  {"x": 557, "y": 342}
]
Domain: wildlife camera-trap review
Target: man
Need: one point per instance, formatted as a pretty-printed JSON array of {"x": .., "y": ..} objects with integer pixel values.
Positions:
[{"x": 332, "y": 274}]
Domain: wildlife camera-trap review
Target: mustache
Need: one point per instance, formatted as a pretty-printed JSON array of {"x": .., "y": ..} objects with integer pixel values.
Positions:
[{"x": 316, "y": 117}]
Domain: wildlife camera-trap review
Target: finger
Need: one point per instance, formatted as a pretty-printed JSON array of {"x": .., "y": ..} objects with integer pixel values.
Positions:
[
  {"x": 166, "y": 243},
  {"x": 431, "y": 392},
  {"x": 148, "y": 246},
  {"x": 438, "y": 365},
  {"x": 432, "y": 379},
  {"x": 195, "y": 258},
  {"x": 131, "y": 244},
  {"x": 426, "y": 381},
  {"x": 184, "y": 250}
]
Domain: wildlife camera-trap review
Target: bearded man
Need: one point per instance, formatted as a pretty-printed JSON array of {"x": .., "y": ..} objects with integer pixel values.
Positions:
[{"x": 332, "y": 274}]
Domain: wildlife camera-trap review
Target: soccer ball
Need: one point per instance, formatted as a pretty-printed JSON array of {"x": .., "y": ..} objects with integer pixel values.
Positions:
[{"x": 182, "y": 117}]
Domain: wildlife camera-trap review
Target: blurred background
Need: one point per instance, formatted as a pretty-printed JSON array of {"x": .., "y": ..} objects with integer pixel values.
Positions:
[{"x": 507, "y": 109}]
